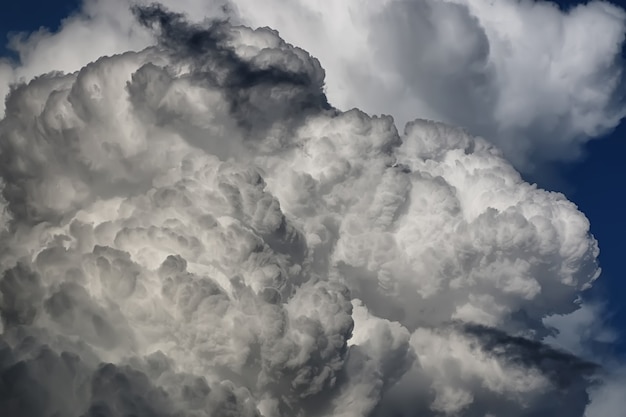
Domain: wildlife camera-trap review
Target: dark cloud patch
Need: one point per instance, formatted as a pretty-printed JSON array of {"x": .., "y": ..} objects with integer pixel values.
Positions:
[
  {"x": 208, "y": 43},
  {"x": 36, "y": 381},
  {"x": 563, "y": 368},
  {"x": 21, "y": 295},
  {"x": 283, "y": 88},
  {"x": 571, "y": 376},
  {"x": 122, "y": 391}
]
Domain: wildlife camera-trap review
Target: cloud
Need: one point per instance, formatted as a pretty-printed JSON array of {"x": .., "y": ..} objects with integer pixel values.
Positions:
[
  {"x": 193, "y": 229},
  {"x": 606, "y": 398},
  {"x": 585, "y": 333},
  {"x": 524, "y": 75}
]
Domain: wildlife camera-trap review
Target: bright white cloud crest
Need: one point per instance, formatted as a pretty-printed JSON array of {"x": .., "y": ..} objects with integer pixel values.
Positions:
[{"x": 191, "y": 229}]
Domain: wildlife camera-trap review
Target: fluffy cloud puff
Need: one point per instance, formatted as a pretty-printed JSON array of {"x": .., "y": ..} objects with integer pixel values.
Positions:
[
  {"x": 523, "y": 74},
  {"x": 193, "y": 230}
]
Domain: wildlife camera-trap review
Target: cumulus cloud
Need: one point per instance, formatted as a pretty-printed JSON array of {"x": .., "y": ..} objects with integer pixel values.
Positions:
[
  {"x": 194, "y": 229},
  {"x": 523, "y": 74}
]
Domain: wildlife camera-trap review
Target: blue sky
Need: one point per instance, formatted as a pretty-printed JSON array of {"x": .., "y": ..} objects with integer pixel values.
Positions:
[
  {"x": 29, "y": 15},
  {"x": 595, "y": 182},
  {"x": 596, "y": 185}
]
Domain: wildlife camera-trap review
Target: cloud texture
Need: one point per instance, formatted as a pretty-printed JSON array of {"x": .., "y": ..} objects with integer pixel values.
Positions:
[
  {"x": 526, "y": 75},
  {"x": 193, "y": 230}
]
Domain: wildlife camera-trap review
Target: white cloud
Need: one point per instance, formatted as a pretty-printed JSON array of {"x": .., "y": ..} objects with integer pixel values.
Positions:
[
  {"x": 524, "y": 75},
  {"x": 197, "y": 216}
]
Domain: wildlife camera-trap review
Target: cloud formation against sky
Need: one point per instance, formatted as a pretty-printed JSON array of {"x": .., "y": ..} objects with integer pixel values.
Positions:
[
  {"x": 523, "y": 74},
  {"x": 195, "y": 228}
]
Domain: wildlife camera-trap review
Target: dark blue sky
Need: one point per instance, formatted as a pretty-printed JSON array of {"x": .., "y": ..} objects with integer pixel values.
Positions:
[
  {"x": 597, "y": 183},
  {"x": 29, "y": 15}
]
